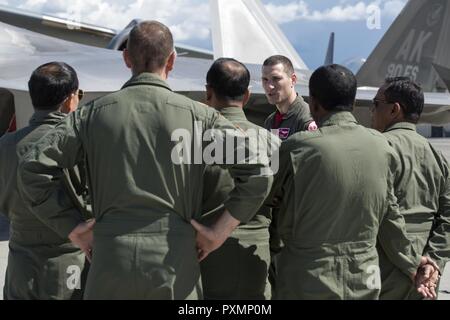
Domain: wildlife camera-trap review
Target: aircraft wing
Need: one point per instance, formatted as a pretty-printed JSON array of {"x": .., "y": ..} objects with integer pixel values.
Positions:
[
  {"x": 99, "y": 70},
  {"x": 57, "y": 27},
  {"x": 79, "y": 32}
]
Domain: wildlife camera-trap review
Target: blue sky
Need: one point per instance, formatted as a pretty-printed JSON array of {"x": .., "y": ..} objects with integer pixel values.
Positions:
[
  {"x": 349, "y": 22},
  {"x": 306, "y": 23}
]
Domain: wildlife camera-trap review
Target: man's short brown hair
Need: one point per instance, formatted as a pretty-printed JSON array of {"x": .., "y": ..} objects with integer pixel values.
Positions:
[
  {"x": 149, "y": 45},
  {"x": 277, "y": 59}
]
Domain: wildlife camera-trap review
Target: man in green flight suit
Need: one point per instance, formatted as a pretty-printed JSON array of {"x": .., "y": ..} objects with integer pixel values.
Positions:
[
  {"x": 42, "y": 263},
  {"x": 335, "y": 191},
  {"x": 239, "y": 268},
  {"x": 146, "y": 187},
  {"x": 422, "y": 186},
  {"x": 292, "y": 115}
]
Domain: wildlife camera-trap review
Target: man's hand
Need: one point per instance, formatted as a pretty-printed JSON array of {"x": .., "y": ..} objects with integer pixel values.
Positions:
[
  {"x": 210, "y": 238},
  {"x": 426, "y": 278},
  {"x": 82, "y": 236}
]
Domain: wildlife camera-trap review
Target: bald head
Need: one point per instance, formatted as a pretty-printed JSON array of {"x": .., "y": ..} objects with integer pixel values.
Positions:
[
  {"x": 229, "y": 79},
  {"x": 149, "y": 46}
]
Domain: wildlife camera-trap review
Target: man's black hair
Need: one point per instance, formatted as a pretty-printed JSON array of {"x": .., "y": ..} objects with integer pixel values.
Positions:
[
  {"x": 277, "y": 59},
  {"x": 334, "y": 87},
  {"x": 51, "y": 84},
  {"x": 228, "y": 78},
  {"x": 408, "y": 94}
]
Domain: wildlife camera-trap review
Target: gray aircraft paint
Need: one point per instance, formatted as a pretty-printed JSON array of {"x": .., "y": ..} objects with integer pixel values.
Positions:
[
  {"x": 444, "y": 74},
  {"x": 419, "y": 37}
]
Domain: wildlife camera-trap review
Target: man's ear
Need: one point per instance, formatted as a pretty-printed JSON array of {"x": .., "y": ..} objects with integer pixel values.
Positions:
[
  {"x": 396, "y": 110},
  {"x": 126, "y": 58},
  {"x": 247, "y": 95},
  {"x": 294, "y": 79},
  {"x": 70, "y": 104},
  {"x": 171, "y": 61}
]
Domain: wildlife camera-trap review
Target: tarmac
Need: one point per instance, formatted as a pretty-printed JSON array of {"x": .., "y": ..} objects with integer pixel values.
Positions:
[{"x": 442, "y": 144}]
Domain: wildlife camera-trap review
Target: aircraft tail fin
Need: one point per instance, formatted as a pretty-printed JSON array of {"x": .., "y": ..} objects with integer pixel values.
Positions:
[
  {"x": 419, "y": 37},
  {"x": 329, "y": 59},
  {"x": 244, "y": 30},
  {"x": 444, "y": 74}
]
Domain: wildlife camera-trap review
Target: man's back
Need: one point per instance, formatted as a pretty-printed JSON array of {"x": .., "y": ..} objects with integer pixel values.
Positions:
[
  {"x": 13, "y": 145},
  {"x": 422, "y": 191},
  {"x": 33, "y": 245},
  {"x": 128, "y": 140},
  {"x": 225, "y": 276},
  {"x": 350, "y": 165},
  {"x": 219, "y": 183},
  {"x": 332, "y": 209}
]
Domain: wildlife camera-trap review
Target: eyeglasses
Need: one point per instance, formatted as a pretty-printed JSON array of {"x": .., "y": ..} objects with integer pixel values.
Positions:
[
  {"x": 376, "y": 102},
  {"x": 80, "y": 94}
]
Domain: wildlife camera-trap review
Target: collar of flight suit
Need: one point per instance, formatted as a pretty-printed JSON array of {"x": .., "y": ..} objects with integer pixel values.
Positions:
[
  {"x": 233, "y": 113},
  {"x": 402, "y": 125},
  {"x": 149, "y": 79},
  {"x": 337, "y": 118},
  {"x": 46, "y": 117}
]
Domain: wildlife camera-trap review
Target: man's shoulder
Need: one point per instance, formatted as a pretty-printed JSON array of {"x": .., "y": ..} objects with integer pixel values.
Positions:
[
  {"x": 324, "y": 133},
  {"x": 302, "y": 114},
  {"x": 12, "y": 139},
  {"x": 181, "y": 101},
  {"x": 402, "y": 134},
  {"x": 8, "y": 139},
  {"x": 128, "y": 96},
  {"x": 304, "y": 137},
  {"x": 269, "y": 120}
]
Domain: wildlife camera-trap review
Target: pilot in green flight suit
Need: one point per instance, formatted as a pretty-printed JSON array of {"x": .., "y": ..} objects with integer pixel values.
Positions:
[
  {"x": 239, "y": 268},
  {"x": 335, "y": 187},
  {"x": 42, "y": 263},
  {"x": 145, "y": 176},
  {"x": 422, "y": 186}
]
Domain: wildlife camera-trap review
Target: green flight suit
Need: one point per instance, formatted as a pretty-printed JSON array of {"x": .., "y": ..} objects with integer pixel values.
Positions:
[
  {"x": 422, "y": 189},
  {"x": 336, "y": 191},
  {"x": 239, "y": 268},
  {"x": 145, "y": 188},
  {"x": 42, "y": 264},
  {"x": 297, "y": 118}
]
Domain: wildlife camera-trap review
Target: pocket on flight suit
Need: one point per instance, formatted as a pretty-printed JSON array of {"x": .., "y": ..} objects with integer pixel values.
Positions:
[{"x": 308, "y": 277}]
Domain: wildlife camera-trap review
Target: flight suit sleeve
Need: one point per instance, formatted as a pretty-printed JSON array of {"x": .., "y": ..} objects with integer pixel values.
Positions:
[
  {"x": 252, "y": 178},
  {"x": 438, "y": 245},
  {"x": 283, "y": 178},
  {"x": 279, "y": 199},
  {"x": 40, "y": 176},
  {"x": 392, "y": 232},
  {"x": 217, "y": 184},
  {"x": 76, "y": 188}
]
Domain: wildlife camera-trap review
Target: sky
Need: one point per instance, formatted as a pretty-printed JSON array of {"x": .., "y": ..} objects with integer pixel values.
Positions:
[{"x": 358, "y": 25}]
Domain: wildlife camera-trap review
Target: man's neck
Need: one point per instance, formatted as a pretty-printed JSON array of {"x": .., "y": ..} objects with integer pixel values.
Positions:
[
  {"x": 162, "y": 73},
  {"x": 218, "y": 105},
  {"x": 395, "y": 121},
  {"x": 284, "y": 107}
]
